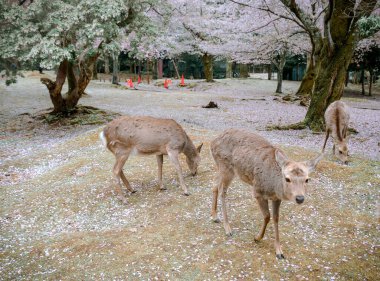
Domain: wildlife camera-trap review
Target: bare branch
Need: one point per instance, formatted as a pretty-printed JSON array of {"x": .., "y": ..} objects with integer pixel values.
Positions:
[{"x": 241, "y": 4}]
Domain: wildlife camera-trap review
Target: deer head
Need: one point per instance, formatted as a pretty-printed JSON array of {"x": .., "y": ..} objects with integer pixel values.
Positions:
[{"x": 295, "y": 176}]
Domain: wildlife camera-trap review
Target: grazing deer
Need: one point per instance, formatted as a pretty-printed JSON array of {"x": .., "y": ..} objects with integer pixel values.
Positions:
[
  {"x": 336, "y": 119},
  {"x": 271, "y": 174},
  {"x": 144, "y": 135}
]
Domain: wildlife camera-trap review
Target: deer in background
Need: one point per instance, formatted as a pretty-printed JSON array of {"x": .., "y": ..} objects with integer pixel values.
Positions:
[
  {"x": 337, "y": 119},
  {"x": 144, "y": 135},
  {"x": 272, "y": 175}
]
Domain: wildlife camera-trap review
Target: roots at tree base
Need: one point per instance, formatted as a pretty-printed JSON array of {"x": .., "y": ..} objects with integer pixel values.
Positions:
[{"x": 303, "y": 125}]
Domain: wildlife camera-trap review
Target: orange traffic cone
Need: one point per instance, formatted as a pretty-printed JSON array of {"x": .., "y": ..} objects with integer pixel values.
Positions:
[
  {"x": 166, "y": 85},
  {"x": 130, "y": 83},
  {"x": 182, "y": 81}
]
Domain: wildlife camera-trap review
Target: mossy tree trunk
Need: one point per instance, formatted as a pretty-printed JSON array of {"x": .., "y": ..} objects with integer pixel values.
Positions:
[
  {"x": 331, "y": 52},
  {"x": 329, "y": 82},
  {"x": 208, "y": 69},
  {"x": 306, "y": 87},
  {"x": 106, "y": 64}
]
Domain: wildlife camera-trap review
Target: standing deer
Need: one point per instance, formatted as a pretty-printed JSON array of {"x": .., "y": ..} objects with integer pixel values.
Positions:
[
  {"x": 336, "y": 119},
  {"x": 144, "y": 135},
  {"x": 271, "y": 174}
]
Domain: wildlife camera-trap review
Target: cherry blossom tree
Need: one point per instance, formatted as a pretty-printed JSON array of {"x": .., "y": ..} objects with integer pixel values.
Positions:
[{"x": 332, "y": 30}]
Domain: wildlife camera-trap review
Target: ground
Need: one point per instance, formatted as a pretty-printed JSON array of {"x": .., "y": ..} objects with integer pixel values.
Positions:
[{"x": 60, "y": 218}]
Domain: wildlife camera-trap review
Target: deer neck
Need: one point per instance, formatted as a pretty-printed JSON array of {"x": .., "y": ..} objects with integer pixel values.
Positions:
[{"x": 189, "y": 150}]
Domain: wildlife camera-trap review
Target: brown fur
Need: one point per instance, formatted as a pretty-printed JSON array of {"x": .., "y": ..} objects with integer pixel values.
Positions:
[
  {"x": 144, "y": 135},
  {"x": 271, "y": 174},
  {"x": 337, "y": 119}
]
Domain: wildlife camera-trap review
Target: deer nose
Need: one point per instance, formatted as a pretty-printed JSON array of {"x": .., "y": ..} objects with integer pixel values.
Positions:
[
  {"x": 345, "y": 162},
  {"x": 300, "y": 199}
]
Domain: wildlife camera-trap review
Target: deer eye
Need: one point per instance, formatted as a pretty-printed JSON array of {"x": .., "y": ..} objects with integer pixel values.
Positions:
[
  {"x": 307, "y": 180},
  {"x": 340, "y": 152},
  {"x": 287, "y": 179}
]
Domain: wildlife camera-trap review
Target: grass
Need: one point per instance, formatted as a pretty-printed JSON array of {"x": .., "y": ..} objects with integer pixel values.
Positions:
[{"x": 61, "y": 220}]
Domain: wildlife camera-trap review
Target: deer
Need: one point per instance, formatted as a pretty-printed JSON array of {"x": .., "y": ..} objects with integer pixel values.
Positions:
[
  {"x": 145, "y": 135},
  {"x": 269, "y": 172},
  {"x": 337, "y": 118}
]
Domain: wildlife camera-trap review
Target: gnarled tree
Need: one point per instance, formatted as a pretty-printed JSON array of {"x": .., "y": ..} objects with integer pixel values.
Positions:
[{"x": 69, "y": 36}]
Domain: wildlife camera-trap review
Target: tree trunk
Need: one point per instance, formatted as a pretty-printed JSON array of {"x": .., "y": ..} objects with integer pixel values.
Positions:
[
  {"x": 176, "y": 69},
  {"x": 115, "y": 69},
  {"x": 269, "y": 69},
  {"x": 208, "y": 67},
  {"x": 279, "y": 81},
  {"x": 243, "y": 69},
  {"x": 279, "y": 61},
  {"x": 329, "y": 82},
  {"x": 76, "y": 83},
  {"x": 306, "y": 88},
  {"x": 106, "y": 65},
  {"x": 55, "y": 88},
  {"x": 95, "y": 71},
  {"x": 362, "y": 80},
  {"x": 147, "y": 71},
  {"x": 160, "y": 69},
  {"x": 370, "y": 82},
  {"x": 229, "y": 69}
]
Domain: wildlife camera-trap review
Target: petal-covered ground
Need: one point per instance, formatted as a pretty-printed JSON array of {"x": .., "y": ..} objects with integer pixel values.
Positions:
[{"x": 60, "y": 218}]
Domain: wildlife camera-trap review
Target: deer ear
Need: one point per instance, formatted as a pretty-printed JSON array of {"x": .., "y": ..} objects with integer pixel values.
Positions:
[
  {"x": 199, "y": 147},
  {"x": 281, "y": 158},
  {"x": 311, "y": 164}
]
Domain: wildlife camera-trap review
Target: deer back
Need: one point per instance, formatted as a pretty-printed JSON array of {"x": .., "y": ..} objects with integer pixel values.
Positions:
[
  {"x": 146, "y": 134},
  {"x": 337, "y": 118},
  {"x": 251, "y": 157}
]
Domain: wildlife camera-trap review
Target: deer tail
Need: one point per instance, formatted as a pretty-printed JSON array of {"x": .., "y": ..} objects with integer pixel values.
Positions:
[{"x": 103, "y": 138}]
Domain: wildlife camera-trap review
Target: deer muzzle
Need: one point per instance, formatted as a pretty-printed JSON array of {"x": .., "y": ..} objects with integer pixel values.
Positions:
[{"x": 300, "y": 199}]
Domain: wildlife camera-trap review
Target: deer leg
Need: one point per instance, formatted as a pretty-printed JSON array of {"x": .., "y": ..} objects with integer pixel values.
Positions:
[
  {"x": 117, "y": 171},
  {"x": 276, "y": 215},
  {"x": 327, "y": 136},
  {"x": 126, "y": 182},
  {"x": 225, "y": 181},
  {"x": 223, "y": 178},
  {"x": 160, "y": 161},
  {"x": 263, "y": 203},
  {"x": 214, "y": 208},
  {"x": 173, "y": 156}
]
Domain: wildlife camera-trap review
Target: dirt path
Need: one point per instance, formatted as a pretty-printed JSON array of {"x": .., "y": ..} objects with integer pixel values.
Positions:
[{"x": 60, "y": 218}]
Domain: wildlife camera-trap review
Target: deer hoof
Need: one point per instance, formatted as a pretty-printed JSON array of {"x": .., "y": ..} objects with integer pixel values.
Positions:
[
  {"x": 186, "y": 194},
  {"x": 217, "y": 220},
  {"x": 163, "y": 188},
  {"x": 229, "y": 234},
  {"x": 123, "y": 199},
  {"x": 133, "y": 191},
  {"x": 280, "y": 256}
]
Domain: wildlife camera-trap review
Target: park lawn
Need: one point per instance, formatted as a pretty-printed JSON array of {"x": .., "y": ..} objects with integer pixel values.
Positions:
[{"x": 61, "y": 220}]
